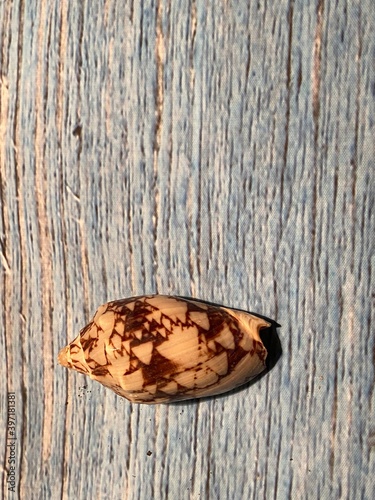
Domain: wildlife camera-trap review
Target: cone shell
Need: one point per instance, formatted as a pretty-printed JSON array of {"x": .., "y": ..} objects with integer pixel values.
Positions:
[{"x": 160, "y": 349}]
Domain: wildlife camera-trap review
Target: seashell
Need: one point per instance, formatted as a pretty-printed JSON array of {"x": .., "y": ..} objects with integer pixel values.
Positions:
[{"x": 159, "y": 348}]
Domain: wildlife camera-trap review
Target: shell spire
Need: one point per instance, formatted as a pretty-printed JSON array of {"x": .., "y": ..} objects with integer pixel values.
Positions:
[{"x": 62, "y": 358}]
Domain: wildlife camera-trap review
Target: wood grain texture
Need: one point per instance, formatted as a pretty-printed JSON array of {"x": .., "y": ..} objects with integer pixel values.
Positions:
[{"x": 221, "y": 150}]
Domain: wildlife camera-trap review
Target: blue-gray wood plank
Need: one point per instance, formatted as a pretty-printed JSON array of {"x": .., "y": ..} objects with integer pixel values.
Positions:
[{"x": 223, "y": 150}]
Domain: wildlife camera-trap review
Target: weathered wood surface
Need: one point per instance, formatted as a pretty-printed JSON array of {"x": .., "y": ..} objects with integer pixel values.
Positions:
[{"x": 222, "y": 150}]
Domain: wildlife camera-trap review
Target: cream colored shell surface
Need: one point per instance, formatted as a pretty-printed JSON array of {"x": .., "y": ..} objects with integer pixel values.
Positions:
[{"x": 158, "y": 348}]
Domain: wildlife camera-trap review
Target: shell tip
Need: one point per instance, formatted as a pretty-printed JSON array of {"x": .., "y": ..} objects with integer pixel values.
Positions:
[{"x": 62, "y": 357}]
